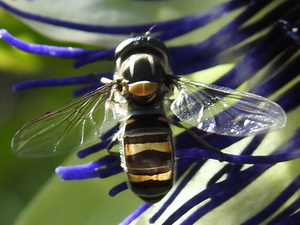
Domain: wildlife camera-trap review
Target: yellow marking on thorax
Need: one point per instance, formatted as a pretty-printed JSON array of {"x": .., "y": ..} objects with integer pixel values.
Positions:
[{"x": 143, "y": 88}]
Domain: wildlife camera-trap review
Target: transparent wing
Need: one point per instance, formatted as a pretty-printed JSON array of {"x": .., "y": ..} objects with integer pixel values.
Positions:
[
  {"x": 70, "y": 127},
  {"x": 225, "y": 111}
]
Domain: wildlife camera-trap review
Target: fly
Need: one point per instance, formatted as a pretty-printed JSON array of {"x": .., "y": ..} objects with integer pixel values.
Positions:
[{"x": 138, "y": 98}]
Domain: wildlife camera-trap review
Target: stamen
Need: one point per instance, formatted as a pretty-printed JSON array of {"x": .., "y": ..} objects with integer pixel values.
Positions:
[
  {"x": 85, "y": 90},
  {"x": 218, "y": 193},
  {"x": 86, "y": 171},
  {"x": 117, "y": 189},
  {"x": 278, "y": 202},
  {"x": 47, "y": 50},
  {"x": 90, "y": 78},
  {"x": 95, "y": 148}
]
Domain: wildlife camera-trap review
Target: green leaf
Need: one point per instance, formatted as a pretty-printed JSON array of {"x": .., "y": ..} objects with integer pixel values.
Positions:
[{"x": 83, "y": 202}]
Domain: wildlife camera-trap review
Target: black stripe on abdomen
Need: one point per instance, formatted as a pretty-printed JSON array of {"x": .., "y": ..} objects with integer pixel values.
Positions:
[
  {"x": 147, "y": 121},
  {"x": 150, "y": 190},
  {"x": 148, "y": 153},
  {"x": 149, "y": 162}
]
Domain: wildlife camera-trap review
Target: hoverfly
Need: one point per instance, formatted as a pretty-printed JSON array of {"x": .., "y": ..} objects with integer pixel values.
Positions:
[{"x": 136, "y": 98}]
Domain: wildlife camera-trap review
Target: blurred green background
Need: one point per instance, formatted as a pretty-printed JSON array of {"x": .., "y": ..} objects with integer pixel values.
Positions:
[{"x": 22, "y": 178}]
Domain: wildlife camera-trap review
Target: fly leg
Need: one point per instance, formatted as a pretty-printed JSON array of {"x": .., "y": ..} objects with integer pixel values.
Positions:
[
  {"x": 197, "y": 138},
  {"x": 111, "y": 145},
  {"x": 116, "y": 139}
]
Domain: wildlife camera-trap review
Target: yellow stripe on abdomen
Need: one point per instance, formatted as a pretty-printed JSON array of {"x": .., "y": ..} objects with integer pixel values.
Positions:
[
  {"x": 155, "y": 177},
  {"x": 132, "y": 149}
]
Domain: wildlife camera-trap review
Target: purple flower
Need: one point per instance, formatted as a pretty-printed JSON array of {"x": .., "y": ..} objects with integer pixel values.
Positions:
[{"x": 262, "y": 44}]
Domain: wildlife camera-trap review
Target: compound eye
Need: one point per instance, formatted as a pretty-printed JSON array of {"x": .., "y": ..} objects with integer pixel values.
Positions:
[{"x": 143, "y": 88}]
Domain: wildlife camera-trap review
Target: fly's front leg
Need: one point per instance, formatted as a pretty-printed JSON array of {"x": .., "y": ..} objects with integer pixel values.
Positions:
[
  {"x": 110, "y": 146},
  {"x": 117, "y": 139}
]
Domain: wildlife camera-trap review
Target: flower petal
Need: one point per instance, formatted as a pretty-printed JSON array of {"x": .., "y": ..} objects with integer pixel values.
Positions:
[
  {"x": 95, "y": 13},
  {"x": 81, "y": 203}
]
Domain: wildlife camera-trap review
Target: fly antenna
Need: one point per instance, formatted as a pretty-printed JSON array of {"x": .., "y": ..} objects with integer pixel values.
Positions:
[{"x": 150, "y": 30}]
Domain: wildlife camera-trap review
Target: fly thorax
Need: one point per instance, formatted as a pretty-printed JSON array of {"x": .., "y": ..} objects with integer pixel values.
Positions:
[
  {"x": 142, "y": 66},
  {"x": 144, "y": 74}
]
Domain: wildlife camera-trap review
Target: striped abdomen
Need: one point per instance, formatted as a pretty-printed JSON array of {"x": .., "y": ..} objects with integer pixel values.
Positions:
[{"x": 149, "y": 160}]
